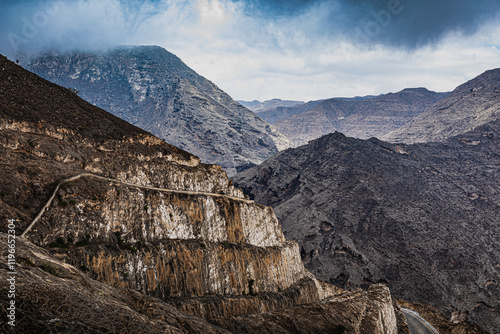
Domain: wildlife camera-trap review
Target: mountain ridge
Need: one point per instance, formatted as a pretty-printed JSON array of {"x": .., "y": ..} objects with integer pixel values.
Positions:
[
  {"x": 471, "y": 104},
  {"x": 153, "y": 89},
  {"x": 421, "y": 218},
  {"x": 372, "y": 116}
]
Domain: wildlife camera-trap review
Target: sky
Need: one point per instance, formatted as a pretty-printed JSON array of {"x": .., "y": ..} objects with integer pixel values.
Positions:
[{"x": 289, "y": 49}]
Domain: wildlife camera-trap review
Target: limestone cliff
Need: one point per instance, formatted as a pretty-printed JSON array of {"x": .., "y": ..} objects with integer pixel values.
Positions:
[{"x": 111, "y": 217}]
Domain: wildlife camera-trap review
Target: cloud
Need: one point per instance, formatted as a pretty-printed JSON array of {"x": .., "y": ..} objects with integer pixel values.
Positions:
[
  {"x": 294, "y": 49},
  {"x": 396, "y": 23}
]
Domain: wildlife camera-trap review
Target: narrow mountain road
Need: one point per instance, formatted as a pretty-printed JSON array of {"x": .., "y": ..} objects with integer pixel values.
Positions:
[
  {"x": 99, "y": 177},
  {"x": 417, "y": 324}
]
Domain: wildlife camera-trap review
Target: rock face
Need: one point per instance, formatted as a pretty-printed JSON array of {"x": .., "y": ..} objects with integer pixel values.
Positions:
[
  {"x": 154, "y": 90},
  {"x": 133, "y": 234},
  {"x": 421, "y": 218},
  {"x": 360, "y": 118},
  {"x": 470, "y": 105}
]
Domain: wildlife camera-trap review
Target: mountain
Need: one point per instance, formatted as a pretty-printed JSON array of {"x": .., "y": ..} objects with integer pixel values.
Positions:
[
  {"x": 360, "y": 118},
  {"x": 422, "y": 218},
  {"x": 116, "y": 231},
  {"x": 276, "y": 114},
  {"x": 472, "y": 104},
  {"x": 258, "y": 106},
  {"x": 154, "y": 90}
]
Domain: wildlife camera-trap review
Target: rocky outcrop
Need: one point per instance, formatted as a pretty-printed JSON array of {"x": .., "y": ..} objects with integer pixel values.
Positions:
[
  {"x": 360, "y": 118},
  {"x": 470, "y": 105},
  {"x": 154, "y": 90},
  {"x": 361, "y": 312},
  {"x": 421, "y": 218},
  {"x": 119, "y": 231}
]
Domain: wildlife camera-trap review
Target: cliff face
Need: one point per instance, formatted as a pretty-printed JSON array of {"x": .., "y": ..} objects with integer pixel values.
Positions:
[
  {"x": 162, "y": 241},
  {"x": 360, "y": 118},
  {"x": 470, "y": 105},
  {"x": 421, "y": 218},
  {"x": 154, "y": 90}
]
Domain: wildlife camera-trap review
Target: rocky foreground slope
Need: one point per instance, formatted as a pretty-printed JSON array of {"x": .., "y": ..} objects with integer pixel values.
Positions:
[
  {"x": 360, "y": 118},
  {"x": 138, "y": 236},
  {"x": 470, "y": 105},
  {"x": 423, "y": 218},
  {"x": 154, "y": 90}
]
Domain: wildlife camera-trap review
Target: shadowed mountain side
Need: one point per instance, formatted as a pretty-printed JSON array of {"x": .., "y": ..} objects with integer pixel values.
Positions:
[{"x": 421, "y": 218}]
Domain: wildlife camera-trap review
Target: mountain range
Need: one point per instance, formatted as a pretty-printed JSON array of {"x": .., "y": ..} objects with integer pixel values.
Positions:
[
  {"x": 148, "y": 228},
  {"x": 470, "y": 105},
  {"x": 117, "y": 231},
  {"x": 154, "y": 90},
  {"x": 362, "y": 117},
  {"x": 421, "y": 218},
  {"x": 258, "y": 106}
]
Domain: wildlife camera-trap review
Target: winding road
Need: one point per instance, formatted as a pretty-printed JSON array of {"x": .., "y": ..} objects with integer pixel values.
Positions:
[
  {"x": 99, "y": 177},
  {"x": 417, "y": 324}
]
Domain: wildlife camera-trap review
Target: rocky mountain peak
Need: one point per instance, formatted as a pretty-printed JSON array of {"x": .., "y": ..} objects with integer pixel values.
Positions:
[
  {"x": 470, "y": 105},
  {"x": 154, "y": 90}
]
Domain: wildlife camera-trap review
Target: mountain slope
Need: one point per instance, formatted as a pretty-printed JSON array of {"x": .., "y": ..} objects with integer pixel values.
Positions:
[
  {"x": 154, "y": 90},
  {"x": 471, "y": 104},
  {"x": 360, "y": 118},
  {"x": 421, "y": 218},
  {"x": 118, "y": 231}
]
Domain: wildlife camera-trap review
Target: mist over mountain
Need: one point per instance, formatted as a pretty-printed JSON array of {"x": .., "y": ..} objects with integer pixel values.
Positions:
[{"x": 154, "y": 90}]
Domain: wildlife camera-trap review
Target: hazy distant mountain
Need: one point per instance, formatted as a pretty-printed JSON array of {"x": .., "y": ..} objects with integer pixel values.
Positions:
[
  {"x": 279, "y": 113},
  {"x": 358, "y": 117},
  {"x": 154, "y": 90},
  {"x": 472, "y": 104},
  {"x": 422, "y": 218},
  {"x": 258, "y": 106}
]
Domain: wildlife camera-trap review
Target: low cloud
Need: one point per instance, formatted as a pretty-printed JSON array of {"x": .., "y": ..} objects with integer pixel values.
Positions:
[{"x": 294, "y": 49}]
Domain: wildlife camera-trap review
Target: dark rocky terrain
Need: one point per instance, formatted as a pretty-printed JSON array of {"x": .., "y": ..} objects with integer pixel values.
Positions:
[
  {"x": 154, "y": 90},
  {"x": 423, "y": 218},
  {"x": 148, "y": 239},
  {"x": 258, "y": 106},
  {"x": 357, "y": 117},
  {"x": 470, "y": 105}
]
